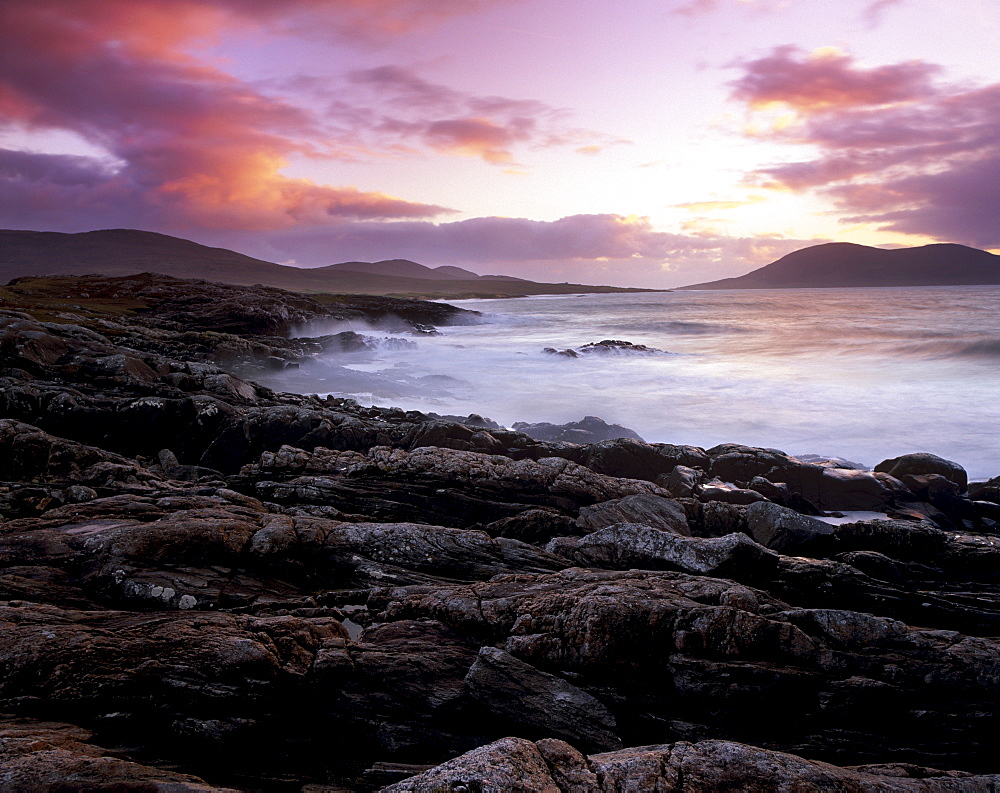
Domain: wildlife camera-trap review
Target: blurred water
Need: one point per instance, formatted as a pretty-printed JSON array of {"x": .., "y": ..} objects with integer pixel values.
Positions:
[{"x": 858, "y": 373}]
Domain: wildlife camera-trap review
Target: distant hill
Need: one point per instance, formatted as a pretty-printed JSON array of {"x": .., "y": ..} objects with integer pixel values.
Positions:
[
  {"x": 844, "y": 264},
  {"x": 403, "y": 268},
  {"x": 128, "y": 251}
]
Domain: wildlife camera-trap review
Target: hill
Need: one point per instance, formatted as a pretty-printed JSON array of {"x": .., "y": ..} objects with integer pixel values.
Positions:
[
  {"x": 129, "y": 251},
  {"x": 844, "y": 264}
]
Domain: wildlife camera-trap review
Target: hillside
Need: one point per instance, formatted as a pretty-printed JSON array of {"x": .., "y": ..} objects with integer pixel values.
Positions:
[
  {"x": 128, "y": 251},
  {"x": 844, "y": 264}
]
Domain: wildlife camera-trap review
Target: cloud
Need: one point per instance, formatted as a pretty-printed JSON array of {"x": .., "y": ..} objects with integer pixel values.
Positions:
[
  {"x": 409, "y": 108},
  {"x": 608, "y": 249},
  {"x": 192, "y": 145},
  {"x": 876, "y": 9},
  {"x": 826, "y": 79},
  {"x": 893, "y": 148}
]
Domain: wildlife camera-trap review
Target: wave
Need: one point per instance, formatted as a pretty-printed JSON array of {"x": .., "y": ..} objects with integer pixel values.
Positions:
[{"x": 980, "y": 349}]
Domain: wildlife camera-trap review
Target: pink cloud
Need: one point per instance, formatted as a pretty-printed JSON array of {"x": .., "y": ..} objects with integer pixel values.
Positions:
[
  {"x": 448, "y": 121},
  {"x": 192, "y": 146},
  {"x": 826, "y": 79},
  {"x": 894, "y": 149}
]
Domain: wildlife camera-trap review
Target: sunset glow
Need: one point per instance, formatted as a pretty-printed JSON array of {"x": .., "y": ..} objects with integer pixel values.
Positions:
[{"x": 645, "y": 143}]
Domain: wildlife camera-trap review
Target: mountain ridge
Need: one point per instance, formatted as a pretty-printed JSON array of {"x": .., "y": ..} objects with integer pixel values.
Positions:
[
  {"x": 847, "y": 264},
  {"x": 133, "y": 251}
]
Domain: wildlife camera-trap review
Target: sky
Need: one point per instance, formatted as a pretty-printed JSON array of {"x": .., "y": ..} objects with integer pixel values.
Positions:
[{"x": 628, "y": 142}]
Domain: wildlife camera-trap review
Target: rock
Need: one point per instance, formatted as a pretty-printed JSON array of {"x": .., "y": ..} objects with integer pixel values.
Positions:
[
  {"x": 681, "y": 766},
  {"x": 840, "y": 488},
  {"x": 717, "y": 490},
  {"x": 735, "y": 463},
  {"x": 511, "y": 688},
  {"x": 533, "y": 526},
  {"x": 590, "y": 429},
  {"x": 784, "y": 530},
  {"x": 650, "y": 510},
  {"x": 924, "y": 463},
  {"x": 633, "y": 546},
  {"x": 986, "y": 491},
  {"x": 682, "y": 481},
  {"x": 616, "y": 346},
  {"x": 636, "y": 460},
  {"x": 43, "y": 755},
  {"x": 513, "y": 764}
]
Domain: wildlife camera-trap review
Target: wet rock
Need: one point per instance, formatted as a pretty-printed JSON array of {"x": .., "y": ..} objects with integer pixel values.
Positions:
[
  {"x": 682, "y": 481},
  {"x": 717, "y": 490},
  {"x": 986, "y": 491},
  {"x": 781, "y": 494},
  {"x": 840, "y": 488},
  {"x": 650, "y": 510},
  {"x": 616, "y": 346},
  {"x": 784, "y": 530},
  {"x": 922, "y": 463}
]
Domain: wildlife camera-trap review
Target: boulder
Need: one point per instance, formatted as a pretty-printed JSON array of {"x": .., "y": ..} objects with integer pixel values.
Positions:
[
  {"x": 785, "y": 530},
  {"x": 921, "y": 463},
  {"x": 650, "y": 510}
]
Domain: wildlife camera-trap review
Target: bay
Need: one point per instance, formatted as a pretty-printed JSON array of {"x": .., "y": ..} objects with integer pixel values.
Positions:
[{"x": 863, "y": 374}]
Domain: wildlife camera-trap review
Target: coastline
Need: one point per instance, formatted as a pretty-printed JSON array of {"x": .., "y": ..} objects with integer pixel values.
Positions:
[{"x": 224, "y": 580}]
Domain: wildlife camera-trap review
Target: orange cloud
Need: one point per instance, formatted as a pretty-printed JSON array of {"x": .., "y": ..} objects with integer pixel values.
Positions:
[
  {"x": 826, "y": 79},
  {"x": 190, "y": 143},
  {"x": 712, "y": 206}
]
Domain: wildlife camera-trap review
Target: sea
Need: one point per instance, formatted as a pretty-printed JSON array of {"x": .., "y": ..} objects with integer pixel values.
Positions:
[{"x": 861, "y": 374}]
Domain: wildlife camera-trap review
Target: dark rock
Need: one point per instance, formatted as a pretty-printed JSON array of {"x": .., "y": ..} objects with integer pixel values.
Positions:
[
  {"x": 553, "y": 766},
  {"x": 513, "y": 689},
  {"x": 634, "y": 546},
  {"x": 784, "y": 530},
  {"x": 637, "y": 460},
  {"x": 533, "y": 525},
  {"x": 681, "y": 482},
  {"x": 717, "y": 490},
  {"x": 781, "y": 494},
  {"x": 654, "y": 511},
  {"x": 590, "y": 430},
  {"x": 42, "y": 755},
  {"x": 616, "y": 346},
  {"x": 986, "y": 491},
  {"x": 924, "y": 463}
]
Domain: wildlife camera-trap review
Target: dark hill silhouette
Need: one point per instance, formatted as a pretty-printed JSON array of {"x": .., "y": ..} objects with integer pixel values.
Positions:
[
  {"x": 844, "y": 264},
  {"x": 403, "y": 268},
  {"x": 129, "y": 251}
]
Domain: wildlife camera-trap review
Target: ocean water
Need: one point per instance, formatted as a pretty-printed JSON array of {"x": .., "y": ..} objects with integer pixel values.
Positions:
[{"x": 863, "y": 374}]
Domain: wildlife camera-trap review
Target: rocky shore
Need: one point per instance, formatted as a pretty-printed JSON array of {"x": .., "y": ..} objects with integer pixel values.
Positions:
[{"x": 206, "y": 584}]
